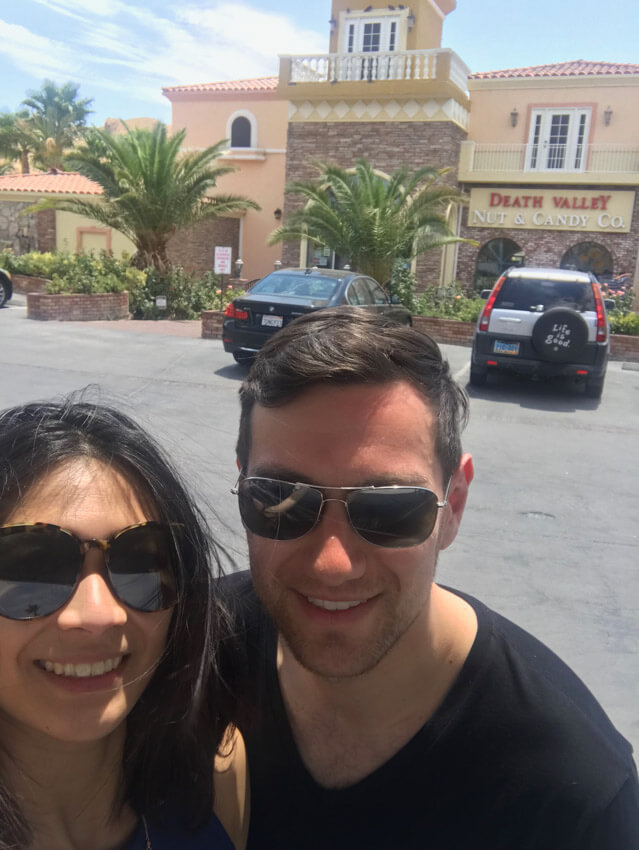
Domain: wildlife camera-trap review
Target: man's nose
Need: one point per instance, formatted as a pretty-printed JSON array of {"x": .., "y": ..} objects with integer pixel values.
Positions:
[
  {"x": 338, "y": 553},
  {"x": 93, "y": 607}
]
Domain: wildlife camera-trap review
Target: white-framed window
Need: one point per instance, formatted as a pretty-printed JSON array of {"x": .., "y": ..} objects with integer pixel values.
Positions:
[
  {"x": 371, "y": 34},
  {"x": 558, "y": 138},
  {"x": 241, "y": 129}
]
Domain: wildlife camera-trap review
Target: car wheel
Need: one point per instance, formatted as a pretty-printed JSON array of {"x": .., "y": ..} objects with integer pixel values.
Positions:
[
  {"x": 560, "y": 335},
  {"x": 4, "y": 293},
  {"x": 594, "y": 386},
  {"x": 478, "y": 376}
]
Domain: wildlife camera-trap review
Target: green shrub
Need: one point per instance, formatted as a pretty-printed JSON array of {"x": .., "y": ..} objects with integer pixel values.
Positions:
[
  {"x": 33, "y": 264},
  {"x": 86, "y": 274},
  {"x": 402, "y": 284},
  {"x": 448, "y": 302},
  {"x": 624, "y": 323},
  {"x": 187, "y": 295}
]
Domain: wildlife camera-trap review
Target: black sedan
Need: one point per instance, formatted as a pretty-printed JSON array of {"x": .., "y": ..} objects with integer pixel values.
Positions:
[
  {"x": 284, "y": 295},
  {"x": 6, "y": 289}
]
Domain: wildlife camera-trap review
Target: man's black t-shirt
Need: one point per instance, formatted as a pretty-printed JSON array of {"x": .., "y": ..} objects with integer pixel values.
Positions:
[{"x": 519, "y": 756}]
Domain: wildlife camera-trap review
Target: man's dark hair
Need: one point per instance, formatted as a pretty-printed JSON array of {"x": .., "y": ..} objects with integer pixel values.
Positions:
[
  {"x": 171, "y": 739},
  {"x": 346, "y": 345}
]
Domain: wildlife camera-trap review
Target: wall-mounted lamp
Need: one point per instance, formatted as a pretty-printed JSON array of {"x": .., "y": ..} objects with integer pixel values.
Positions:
[
  {"x": 277, "y": 265},
  {"x": 411, "y": 21},
  {"x": 238, "y": 268},
  {"x": 333, "y": 25},
  {"x": 607, "y": 115},
  {"x": 514, "y": 117},
  {"x": 277, "y": 213}
]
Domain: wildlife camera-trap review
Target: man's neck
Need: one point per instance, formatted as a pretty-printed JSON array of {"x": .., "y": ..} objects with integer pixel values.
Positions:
[{"x": 348, "y": 727}]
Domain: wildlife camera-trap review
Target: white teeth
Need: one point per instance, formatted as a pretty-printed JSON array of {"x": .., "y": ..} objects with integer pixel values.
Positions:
[
  {"x": 82, "y": 671},
  {"x": 333, "y": 606}
]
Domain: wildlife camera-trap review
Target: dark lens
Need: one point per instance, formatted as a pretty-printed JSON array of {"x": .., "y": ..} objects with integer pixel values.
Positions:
[
  {"x": 395, "y": 517},
  {"x": 142, "y": 566},
  {"x": 39, "y": 566},
  {"x": 278, "y": 510}
]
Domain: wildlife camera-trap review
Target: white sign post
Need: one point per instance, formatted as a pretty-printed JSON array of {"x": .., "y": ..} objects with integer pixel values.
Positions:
[
  {"x": 222, "y": 266},
  {"x": 222, "y": 260}
]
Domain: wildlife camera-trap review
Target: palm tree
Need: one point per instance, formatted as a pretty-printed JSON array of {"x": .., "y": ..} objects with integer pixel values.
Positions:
[
  {"x": 150, "y": 189},
  {"x": 57, "y": 119},
  {"x": 52, "y": 123},
  {"x": 17, "y": 139},
  {"x": 369, "y": 219}
]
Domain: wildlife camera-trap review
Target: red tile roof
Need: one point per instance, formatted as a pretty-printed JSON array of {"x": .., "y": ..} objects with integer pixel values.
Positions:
[
  {"x": 255, "y": 85},
  {"x": 577, "y": 68},
  {"x": 50, "y": 182}
]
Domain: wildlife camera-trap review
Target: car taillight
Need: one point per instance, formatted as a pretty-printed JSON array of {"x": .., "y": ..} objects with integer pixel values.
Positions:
[
  {"x": 602, "y": 327},
  {"x": 232, "y": 312},
  {"x": 484, "y": 319}
]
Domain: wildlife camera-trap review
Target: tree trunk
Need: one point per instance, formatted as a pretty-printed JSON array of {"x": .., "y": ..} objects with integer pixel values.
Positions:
[{"x": 24, "y": 162}]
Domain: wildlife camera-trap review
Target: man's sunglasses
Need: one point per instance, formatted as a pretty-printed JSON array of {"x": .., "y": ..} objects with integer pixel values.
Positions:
[
  {"x": 395, "y": 516},
  {"x": 41, "y": 565}
]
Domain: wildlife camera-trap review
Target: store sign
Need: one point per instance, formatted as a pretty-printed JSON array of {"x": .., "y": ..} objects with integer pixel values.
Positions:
[{"x": 551, "y": 209}]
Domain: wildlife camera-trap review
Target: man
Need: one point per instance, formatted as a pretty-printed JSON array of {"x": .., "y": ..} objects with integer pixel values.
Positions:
[{"x": 383, "y": 711}]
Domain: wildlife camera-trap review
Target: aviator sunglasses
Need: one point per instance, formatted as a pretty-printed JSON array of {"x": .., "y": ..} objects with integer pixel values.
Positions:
[
  {"x": 41, "y": 566},
  {"x": 394, "y": 517}
]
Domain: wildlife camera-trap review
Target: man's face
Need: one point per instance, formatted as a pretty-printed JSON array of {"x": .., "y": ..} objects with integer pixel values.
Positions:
[{"x": 347, "y": 437}]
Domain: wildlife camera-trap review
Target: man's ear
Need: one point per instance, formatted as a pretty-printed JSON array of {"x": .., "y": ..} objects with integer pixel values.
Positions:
[{"x": 457, "y": 495}]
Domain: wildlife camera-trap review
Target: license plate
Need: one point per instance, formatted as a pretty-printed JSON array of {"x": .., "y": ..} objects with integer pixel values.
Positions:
[
  {"x": 273, "y": 321},
  {"x": 505, "y": 347}
]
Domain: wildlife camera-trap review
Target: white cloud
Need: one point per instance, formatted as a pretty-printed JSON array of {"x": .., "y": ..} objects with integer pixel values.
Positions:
[{"x": 35, "y": 54}]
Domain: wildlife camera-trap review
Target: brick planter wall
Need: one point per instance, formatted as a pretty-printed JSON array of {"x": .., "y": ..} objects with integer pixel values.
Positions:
[
  {"x": 24, "y": 283},
  {"x": 78, "y": 308},
  {"x": 624, "y": 347},
  {"x": 212, "y": 324},
  {"x": 447, "y": 331}
]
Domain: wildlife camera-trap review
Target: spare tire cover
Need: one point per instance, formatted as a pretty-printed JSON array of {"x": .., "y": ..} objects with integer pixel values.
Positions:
[{"x": 560, "y": 335}]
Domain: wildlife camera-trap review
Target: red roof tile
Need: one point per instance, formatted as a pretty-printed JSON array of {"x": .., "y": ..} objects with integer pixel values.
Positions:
[
  {"x": 577, "y": 68},
  {"x": 255, "y": 85},
  {"x": 58, "y": 182}
]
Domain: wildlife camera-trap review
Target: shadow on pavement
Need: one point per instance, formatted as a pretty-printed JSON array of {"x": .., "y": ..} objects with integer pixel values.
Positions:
[{"x": 557, "y": 394}]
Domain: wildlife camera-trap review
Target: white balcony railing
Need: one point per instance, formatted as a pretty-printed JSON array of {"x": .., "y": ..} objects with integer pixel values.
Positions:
[
  {"x": 613, "y": 159},
  {"x": 440, "y": 64}
]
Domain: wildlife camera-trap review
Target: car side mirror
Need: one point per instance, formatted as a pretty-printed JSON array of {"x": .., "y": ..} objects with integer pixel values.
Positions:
[
  {"x": 485, "y": 294},
  {"x": 394, "y": 299},
  {"x": 609, "y": 304}
]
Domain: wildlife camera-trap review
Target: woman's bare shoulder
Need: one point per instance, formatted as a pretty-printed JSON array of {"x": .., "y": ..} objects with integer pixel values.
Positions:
[{"x": 232, "y": 804}]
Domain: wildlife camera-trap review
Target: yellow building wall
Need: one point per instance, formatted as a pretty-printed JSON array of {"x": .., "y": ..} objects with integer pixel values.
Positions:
[
  {"x": 492, "y": 101},
  {"x": 260, "y": 171},
  {"x": 76, "y": 231}
]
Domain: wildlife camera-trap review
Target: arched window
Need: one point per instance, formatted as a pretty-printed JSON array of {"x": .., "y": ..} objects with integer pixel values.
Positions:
[
  {"x": 241, "y": 133},
  {"x": 588, "y": 257},
  {"x": 494, "y": 258}
]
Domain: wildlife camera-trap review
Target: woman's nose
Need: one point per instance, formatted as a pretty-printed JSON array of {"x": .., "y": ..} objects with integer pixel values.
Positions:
[{"x": 93, "y": 607}]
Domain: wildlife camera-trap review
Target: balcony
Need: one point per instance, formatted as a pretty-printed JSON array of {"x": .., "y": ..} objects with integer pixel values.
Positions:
[
  {"x": 432, "y": 73},
  {"x": 495, "y": 163}
]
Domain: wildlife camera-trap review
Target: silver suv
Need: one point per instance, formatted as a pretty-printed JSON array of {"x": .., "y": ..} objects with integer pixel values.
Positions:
[{"x": 543, "y": 322}]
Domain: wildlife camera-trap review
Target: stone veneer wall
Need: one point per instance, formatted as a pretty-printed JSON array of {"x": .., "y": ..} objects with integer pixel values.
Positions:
[
  {"x": 17, "y": 232},
  {"x": 97, "y": 307},
  {"x": 387, "y": 145},
  {"x": 546, "y": 247},
  {"x": 194, "y": 249}
]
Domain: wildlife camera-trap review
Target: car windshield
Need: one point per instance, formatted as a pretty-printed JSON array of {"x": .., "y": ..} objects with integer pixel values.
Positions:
[
  {"x": 522, "y": 294},
  {"x": 299, "y": 286}
]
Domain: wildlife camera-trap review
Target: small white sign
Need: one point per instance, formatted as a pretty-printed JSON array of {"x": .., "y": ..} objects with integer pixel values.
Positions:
[
  {"x": 160, "y": 302},
  {"x": 222, "y": 260}
]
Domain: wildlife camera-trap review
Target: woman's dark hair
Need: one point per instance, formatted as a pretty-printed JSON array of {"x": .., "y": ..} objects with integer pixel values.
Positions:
[
  {"x": 171, "y": 739},
  {"x": 346, "y": 345}
]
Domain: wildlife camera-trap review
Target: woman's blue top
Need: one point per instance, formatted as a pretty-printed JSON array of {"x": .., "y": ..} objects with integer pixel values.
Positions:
[{"x": 172, "y": 836}]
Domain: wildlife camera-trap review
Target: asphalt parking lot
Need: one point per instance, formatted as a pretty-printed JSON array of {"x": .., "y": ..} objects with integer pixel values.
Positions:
[{"x": 550, "y": 537}]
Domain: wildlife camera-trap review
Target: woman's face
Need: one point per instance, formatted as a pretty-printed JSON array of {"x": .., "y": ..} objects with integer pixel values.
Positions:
[{"x": 93, "y": 628}]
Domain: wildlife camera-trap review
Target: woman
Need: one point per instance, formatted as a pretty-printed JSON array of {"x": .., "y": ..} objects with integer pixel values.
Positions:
[{"x": 107, "y": 628}]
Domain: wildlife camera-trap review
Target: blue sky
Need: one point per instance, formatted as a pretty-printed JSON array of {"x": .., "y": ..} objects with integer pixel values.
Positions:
[{"x": 122, "y": 53}]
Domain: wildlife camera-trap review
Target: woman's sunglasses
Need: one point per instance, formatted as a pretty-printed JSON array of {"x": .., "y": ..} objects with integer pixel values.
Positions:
[
  {"x": 395, "y": 517},
  {"x": 41, "y": 565}
]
